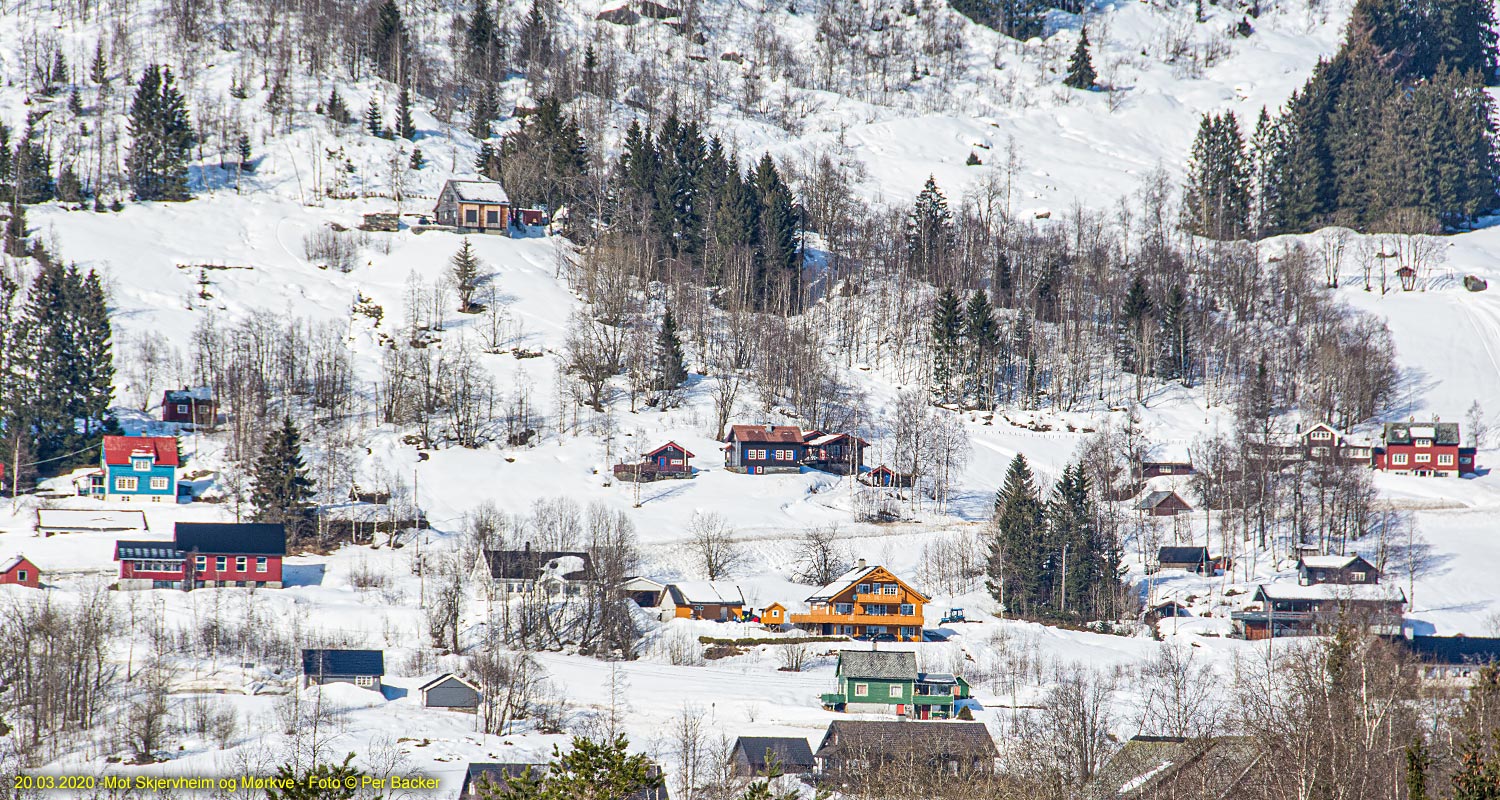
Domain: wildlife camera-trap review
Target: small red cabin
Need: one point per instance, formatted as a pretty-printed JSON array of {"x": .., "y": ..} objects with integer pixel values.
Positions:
[
  {"x": 20, "y": 571},
  {"x": 190, "y": 406},
  {"x": 670, "y": 457}
]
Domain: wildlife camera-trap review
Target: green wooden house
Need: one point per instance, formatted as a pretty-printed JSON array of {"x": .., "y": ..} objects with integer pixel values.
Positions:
[{"x": 888, "y": 682}]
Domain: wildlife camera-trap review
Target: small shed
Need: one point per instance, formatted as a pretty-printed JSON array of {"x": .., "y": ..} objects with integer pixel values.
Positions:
[
  {"x": 645, "y": 592},
  {"x": 20, "y": 570},
  {"x": 773, "y": 615},
  {"x": 449, "y": 691},
  {"x": 1163, "y": 504},
  {"x": 1166, "y": 609},
  {"x": 756, "y": 756},
  {"x": 885, "y": 476},
  {"x": 704, "y": 600}
]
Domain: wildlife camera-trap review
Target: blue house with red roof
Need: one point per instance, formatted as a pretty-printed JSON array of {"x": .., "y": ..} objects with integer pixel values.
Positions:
[{"x": 137, "y": 467}]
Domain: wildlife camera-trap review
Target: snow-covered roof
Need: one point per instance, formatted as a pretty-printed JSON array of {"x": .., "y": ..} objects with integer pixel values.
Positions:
[
  {"x": 198, "y": 394},
  {"x": 1332, "y": 591},
  {"x": 1328, "y": 562},
  {"x": 706, "y": 593},
  {"x": 84, "y": 519},
  {"x": 11, "y": 563},
  {"x": 842, "y": 582},
  {"x": 479, "y": 192}
]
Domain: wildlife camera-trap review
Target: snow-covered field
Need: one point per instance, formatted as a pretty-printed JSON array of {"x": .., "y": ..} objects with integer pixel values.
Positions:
[{"x": 1073, "y": 149}]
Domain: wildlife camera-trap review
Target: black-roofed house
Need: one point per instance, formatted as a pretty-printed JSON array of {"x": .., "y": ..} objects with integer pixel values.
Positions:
[
  {"x": 482, "y": 775},
  {"x": 1424, "y": 448},
  {"x": 1163, "y": 504},
  {"x": 1453, "y": 660},
  {"x": 1347, "y": 570},
  {"x": 1175, "y": 768},
  {"x": 859, "y": 752},
  {"x": 205, "y": 554},
  {"x": 548, "y": 572},
  {"x": 1192, "y": 559},
  {"x": 449, "y": 691},
  {"x": 756, "y": 756},
  {"x": 363, "y": 668}
]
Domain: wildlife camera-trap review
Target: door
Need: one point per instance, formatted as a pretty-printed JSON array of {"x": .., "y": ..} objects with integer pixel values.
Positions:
[{"x": 661, "y": 462}]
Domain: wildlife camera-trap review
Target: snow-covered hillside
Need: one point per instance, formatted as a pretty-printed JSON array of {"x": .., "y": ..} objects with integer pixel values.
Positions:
[{"x": 239, "y": 252}]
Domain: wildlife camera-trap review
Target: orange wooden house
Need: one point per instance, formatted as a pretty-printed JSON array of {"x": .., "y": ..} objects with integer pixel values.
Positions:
[{"x": 865, "y": 601}]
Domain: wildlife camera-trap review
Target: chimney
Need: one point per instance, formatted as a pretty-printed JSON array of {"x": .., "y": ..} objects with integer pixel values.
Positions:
[
  {"x": 527, "y": 547},
  {"x": 770, "y": 427},
  {"x": 861, "y": 564}
]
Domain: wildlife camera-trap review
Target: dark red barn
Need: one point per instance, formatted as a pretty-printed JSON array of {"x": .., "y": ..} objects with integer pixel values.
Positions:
[{"x": 21, "y": 571}]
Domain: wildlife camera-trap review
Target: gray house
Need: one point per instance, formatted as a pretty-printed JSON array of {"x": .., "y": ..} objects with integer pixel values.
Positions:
[
  {"x": 363, "y": 668},
  {"x": 755, "y": 756},
  {"x": 449, "y": 691}
]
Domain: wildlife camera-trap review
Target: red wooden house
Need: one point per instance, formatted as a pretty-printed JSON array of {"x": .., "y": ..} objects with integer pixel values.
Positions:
[
  {"x": 205, "y": 554},
  {"x": 21, "y": 571},
  {"x": 885, "y": 476},
  {"x": 1424, "y": 448},
  {"x": 190, "y": 406},
  {"x": 759, "y": 449},
  {"x": 671, "y": 460},
  {"x": 1163, "y": 504}
]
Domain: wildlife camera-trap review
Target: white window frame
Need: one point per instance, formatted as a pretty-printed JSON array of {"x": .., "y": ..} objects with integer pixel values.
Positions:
[
  {"x": 843, "y": 608},
  {"x": 364, "y": 680},
  {"x": 160, "y": 484},
  {"x": 241, "y": 563},
  {"x": 21, "y": 575},
  {"x": 1423, "y": 458},
  {"x": 889, "y": 588},
  {"x": 260, "y": 563},
  {"x": 908, "y": 609},
  {"x": 1320, "y": 435},
  {"x": 896, "y": 690},
  {"x": 863, "y": 588},
  {"x": 124, "y": 484},
  {"x": 1398, "y": 458},
  {"x": 140, "y": 464},
  {"x": 1423, "y": 443},
  {"x": 1445, "y": 459},
  {"x": 202, "y": 563},
  {"x": 1357, "y": 576},
  {"x": 221, "y": 563},
  {"x": 182, "y": 409},
  {"x": 861, "y": 690}
]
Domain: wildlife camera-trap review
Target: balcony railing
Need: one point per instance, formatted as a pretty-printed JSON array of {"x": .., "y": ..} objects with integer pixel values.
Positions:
[{"x": 831, "y": 617}]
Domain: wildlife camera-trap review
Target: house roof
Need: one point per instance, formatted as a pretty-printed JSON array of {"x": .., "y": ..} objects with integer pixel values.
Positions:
[
  {"x": 446, "y": 676},
  {"x": 1157, "y": 498},
  {"x": 530, "y": 565},
  {"x": 937, "y": 677},
  {"x": 789, "y": 751},
  {"x": 877, "y": 664},
  {"x": 236, "y": 538},
  {"x": 1181, "y": 555},
  {"x": 1330, "y": 562},
  {"x": 488, "y": 192},
  {"x": 343, "y": 662},
  {"x": 1443, "y": 433},
  {"x": 766, "y": 434},
  {"x": 868, "y": 738},
  {"x": 199, "y": 394},
  {"x": 820, "y": 439},
  {"x": 145, "y": 549},
  {"x": 119, "y": 449},
  {"x": 90, "y": 519},
  {"x": 1450, "y": 649},
  {"x": 689, "y": 593},
  {"x": 500, "y": 774},
  {"x": 640, "y": 583},
  {"x": 840, "y": 584},
  {"x": 1164, "y": 766},
  {"x": 1359, "y": 592},
  {"x": 670, "y": 444},
  {"x": 13, "y": 562}
]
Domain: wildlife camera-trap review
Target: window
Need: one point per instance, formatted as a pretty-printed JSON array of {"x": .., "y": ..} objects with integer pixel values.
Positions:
[
  {"x": 1446, "y": 459},
  {"x": 221, "y": 563},
  {"x": 1465, "y": 460},
  {"x": 907, "y": 609},
  {"x": 202, "y": 563},
  {"x": 1166, "y": 469},
  {"x": 491, "y": 217},
  {"x": 140, "y": 464},
  {"x": 471, "y": 215},
  {"x": 863, "y": 588},
  {"x": 181, "y": 409},
  {"x": 126, "y": 484},
  {"x": 1398, "y": 458},
  {"x": 21, "y": 575},
  {"x": 1423, "y": 458},
  {"x": 861, "y": 690},
  {"x": 895, "y": 690},
  {"x": 240, "y": 562},
  {"x": 890, "y": 588},
  {"x": 876, "y": 610},
  {"x": 1319, "y": 452},
  {"x": 908, "y": 632},
  {"x": 843, "y": 608},
  {"x": 260, "y": 564},
  {"x": 159, "y": 484},
  {"x": 364, "y": 680},
  {"x": 1423, "y": 443},
  {"x": 1320, "y": 435},
  {"x": 1357, "y": 577}
]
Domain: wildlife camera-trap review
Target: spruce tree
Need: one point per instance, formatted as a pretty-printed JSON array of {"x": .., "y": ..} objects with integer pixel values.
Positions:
[
  {"x": 947, "y": 330},
  {"x": 545, "y": 160},
  {"x": 17, "y": 245},
  {"x": 671, "y": 369},
  {"x": 486, "y": 110},
  {"x": 161, "y": 138},
  {"x": 982, "y": 340},
  {"x": 1176, "y": 360},
  {"x": 373, "y": 123},
  {"x": 482, "y": 44},
  {"x": 99, "y": 69},
  {"x": 243, "y": 151},
  {"x": 389, "y": 42},
  {"x": 780, "y": 260},
  {"x": 33, "y": 166},
  {"x": 1136, "y": 325},
  {"x": 484, "y": 161},
  {"x": 1015, "y": 573},
  {"x": 929, "y": 230},
  {"x": 417, "y": 161},
  {"x": 336, "y": 109},
  {"x": 465, "y": 266},
  {"x": 1081, "y": 74},
  {"x": 405, "y": 128},
  {"x": 1217, "y": 198},
  {"x": 281, "y": 491}
]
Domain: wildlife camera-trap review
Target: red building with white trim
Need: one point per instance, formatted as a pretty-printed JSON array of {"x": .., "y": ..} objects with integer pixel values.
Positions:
[
  {"x": 205, "y": 554},
  {"x": 19, "y": 570},
  {"x": 1424, "y": 448}
]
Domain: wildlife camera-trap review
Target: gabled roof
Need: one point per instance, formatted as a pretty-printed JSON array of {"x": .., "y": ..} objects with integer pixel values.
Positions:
[
  {"x": 820, "y": 439},
  {"x": 765, "y": 434},
  {"x": 1358, "y": 593},
  {"x": 446, "y": 676},
  {"x": 501, "y": 773},
  {"x": 641, "y": 583},
  {"x": 789, "y": 751},
  {"x": 722, "y": 593},
  {"x": 85, "y": 519},
  {"x": 119, "y": 449},
  {"x": 200, "y": 394},
  {"x": 877, "y": 664},
  {"x": 670, "y": 444},
  {"x": 1330, "y": 562},
  {"x": 948, "y": 740},
  {"x": 232, "y": 538},
  {"x": 852, "y": 578},
  {"x": 1155, "y": 499},
  {"x": 145, "y": 549},
  {"x": 1454, "y": 650},
  {"x": 530, "y": 565},
  {"x": 13, "y": 562},
  {"x": 343, "y": 662},
  {"x": 473, "y": 191},
  {"x": 1181, "y": 555},
  {"x": 1442, "y": 433}
]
